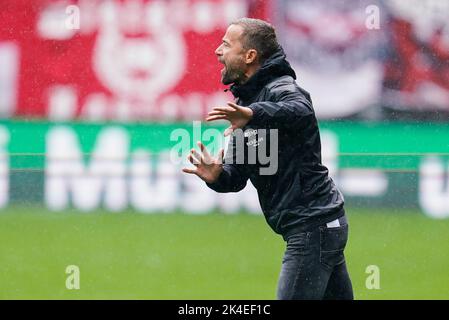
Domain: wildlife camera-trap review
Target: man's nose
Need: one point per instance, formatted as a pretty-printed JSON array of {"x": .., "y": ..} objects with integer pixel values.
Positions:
[{"x": 218, "y": 51}]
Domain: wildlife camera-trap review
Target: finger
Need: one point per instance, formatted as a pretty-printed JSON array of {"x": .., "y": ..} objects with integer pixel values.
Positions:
[
  {"x": 223, "y": 109},
  {"x": 233, "y": 105},
  {"x": 190, "y": 171},
  {"x": 215, "y": 118},
  {"x": 216, "y": 113},
  {"x": 204, "y": 157},
  {"x": 193, "y": 160},
  {"x": 204, "y": 151},
  {"x": 195, "y": 154},
  {"x": 221, "y": 156}
]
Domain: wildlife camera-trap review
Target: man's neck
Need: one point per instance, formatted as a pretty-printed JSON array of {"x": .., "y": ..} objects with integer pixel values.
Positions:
[{"x": 248, "y": 74}]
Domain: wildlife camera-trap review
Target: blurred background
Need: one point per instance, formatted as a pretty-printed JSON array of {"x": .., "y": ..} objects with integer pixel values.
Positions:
[{"x": 91, "y": 92}]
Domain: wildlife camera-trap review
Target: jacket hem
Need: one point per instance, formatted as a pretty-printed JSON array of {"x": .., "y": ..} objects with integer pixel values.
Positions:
[{"x": 309, "y": 226}]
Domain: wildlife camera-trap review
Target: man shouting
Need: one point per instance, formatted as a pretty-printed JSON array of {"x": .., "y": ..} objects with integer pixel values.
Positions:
[{"x": 299, "y": 200}]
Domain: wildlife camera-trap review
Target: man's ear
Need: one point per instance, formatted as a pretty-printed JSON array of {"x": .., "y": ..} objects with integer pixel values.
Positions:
[{"x": 251, "y": 56}]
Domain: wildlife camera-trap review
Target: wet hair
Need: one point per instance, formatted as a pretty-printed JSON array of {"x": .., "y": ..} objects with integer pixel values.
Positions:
[{"x": 259, "y": 35}]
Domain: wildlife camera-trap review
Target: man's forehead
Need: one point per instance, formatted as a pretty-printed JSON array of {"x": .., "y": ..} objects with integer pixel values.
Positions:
[{"x": 233, "y": 33}]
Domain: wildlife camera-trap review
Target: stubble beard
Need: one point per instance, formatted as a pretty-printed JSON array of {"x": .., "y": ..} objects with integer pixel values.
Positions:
[{"x": 232, "y": 75}]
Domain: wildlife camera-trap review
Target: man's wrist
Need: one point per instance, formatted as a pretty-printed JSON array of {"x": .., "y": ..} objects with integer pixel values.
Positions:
[
  {"x": 250, "y": 113},
  {"x": 254, "y": 117},
  {"x": 217, "y": 178}
]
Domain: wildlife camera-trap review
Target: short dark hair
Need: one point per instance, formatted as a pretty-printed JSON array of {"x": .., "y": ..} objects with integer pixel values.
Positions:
[{"x": 259, "y": 35}]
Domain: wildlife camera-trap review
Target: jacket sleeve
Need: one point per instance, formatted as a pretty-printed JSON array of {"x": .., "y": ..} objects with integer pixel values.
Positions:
[
  {"x": 234, "y": 176},
  {"x": 288, "y": 107}
]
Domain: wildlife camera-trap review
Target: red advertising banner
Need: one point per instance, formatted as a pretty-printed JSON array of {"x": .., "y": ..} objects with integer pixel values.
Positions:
[
  {"x": 154, "y": 59},
  {"x": 114, "y": 59}
]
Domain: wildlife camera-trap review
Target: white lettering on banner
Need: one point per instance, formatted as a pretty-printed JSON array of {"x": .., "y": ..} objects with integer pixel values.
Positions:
[
  {"x": 161, "y": 187},
  {"x": 152, "y": 186},
  {"x": 363, "y": 182},
  {"x": 109, "y": 179},
  {"x": 203, "y": 21},
  {"x": 197, "y": 198},
  {"x": 96, "y": 107},
  {"x": 149, "y": 193},
  {"x": 433, "y": 188},
  {"x": 103, "y": 178},
  {"x": 137, "y": 67},
  {"x": 9, "y": 66},
  {"x": 62, "y": 103},
  {"x": 4, "y": 167},
  {"x": 329, "y": 151}
]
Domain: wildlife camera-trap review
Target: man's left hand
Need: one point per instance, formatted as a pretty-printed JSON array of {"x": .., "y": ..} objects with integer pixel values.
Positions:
[{"x": 237, "y": 115}]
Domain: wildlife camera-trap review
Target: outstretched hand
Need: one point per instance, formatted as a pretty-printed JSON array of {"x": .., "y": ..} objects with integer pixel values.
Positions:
[
  {"x": 207, "y": 168},
  {"x": 237, "y": 115}
]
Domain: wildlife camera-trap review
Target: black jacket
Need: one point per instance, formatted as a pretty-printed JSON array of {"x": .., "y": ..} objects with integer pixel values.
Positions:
[{"x": 300, "y": 195}]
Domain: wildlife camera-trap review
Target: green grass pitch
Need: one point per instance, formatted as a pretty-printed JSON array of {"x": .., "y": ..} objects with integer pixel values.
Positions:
[{"x": 215, "y": 256}]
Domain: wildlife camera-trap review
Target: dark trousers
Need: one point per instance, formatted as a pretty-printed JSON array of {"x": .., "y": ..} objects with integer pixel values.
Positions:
[{"x": 314, "y": 266}]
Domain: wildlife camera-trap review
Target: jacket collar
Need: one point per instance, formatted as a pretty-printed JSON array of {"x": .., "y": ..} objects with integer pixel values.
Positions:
[{"x": 274, "y": 67}]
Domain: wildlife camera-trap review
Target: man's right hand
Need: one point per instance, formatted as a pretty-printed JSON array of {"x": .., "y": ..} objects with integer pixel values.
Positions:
[{"x": 207, "y": 168}]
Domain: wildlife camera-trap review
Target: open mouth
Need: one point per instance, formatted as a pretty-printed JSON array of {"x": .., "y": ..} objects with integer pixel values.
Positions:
[{"x": 224, "y": 68}]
